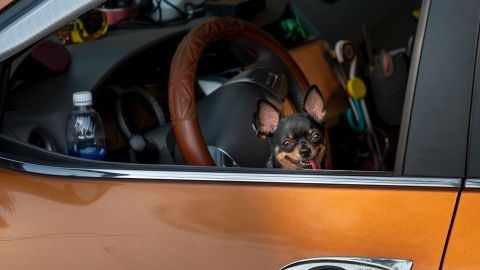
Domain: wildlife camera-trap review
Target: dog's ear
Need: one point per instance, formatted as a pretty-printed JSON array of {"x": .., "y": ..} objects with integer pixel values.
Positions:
[
  {"x": 266, "y": 119},
  {"x": 314, "y": 104}
]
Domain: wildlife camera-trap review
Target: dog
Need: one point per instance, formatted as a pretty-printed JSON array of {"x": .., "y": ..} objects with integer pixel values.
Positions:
[{"x": 297, "y": 141}]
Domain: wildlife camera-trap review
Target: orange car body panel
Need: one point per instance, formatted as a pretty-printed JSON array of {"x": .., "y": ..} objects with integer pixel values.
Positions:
[
  {"x": 71, "y": 223},
  {"x": 463, "y": 250}
]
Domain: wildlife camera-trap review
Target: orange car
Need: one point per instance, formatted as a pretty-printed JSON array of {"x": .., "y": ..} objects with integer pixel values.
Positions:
[{"x": 418, "y": 210}]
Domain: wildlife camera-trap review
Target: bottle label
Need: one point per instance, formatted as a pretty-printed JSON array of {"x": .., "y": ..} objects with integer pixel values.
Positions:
[
  {"x": 87, "y": 150},
  {"x": 85, "y": 135}
]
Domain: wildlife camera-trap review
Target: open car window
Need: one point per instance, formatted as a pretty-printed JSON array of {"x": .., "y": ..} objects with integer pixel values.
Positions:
[{"x": 362, "y": 72}]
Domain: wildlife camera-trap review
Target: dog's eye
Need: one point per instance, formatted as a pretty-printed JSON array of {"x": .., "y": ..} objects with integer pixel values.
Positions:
[
  {"x": 287, "y": 143},
  {"x": 315, "y": 138}
]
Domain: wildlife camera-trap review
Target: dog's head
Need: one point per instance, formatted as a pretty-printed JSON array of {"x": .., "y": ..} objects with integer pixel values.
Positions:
[{"x": 297, "y": 141}]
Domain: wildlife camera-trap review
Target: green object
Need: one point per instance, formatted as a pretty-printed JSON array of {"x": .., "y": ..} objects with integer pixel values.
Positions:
[
  {"x": 357, "y": 126},
  {"x": 293, "y": 29}
]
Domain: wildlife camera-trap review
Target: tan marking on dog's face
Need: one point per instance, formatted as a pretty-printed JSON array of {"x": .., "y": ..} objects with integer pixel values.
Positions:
[
  {"x": 318, "y": 153},
  {"x": 295, "y": 154},
  {"x": 281, "y": 157},
  {"x": 286, "y": 164}
]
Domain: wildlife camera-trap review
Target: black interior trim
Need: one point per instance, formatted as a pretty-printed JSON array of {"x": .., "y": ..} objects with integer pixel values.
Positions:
[
  {"x": 410, "y": 91},
  {"x": 4, "y": 77},
  {"x": 437, "y": 139},
  {"x": 473, "y": 158}
]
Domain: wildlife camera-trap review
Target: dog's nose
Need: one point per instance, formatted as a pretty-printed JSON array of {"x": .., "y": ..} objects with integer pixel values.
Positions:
[{"x": 305, "y": 152}]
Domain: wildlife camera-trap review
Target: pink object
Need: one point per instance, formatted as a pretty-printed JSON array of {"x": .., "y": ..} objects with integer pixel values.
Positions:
[
  {"x": 116, "y": 15},
  {"x": 53, "y": 56},
  {"x": 387, "y": 64}
]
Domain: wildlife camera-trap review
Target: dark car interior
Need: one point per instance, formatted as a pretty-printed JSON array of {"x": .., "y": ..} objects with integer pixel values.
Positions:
[{"x": 127, "y": 69}]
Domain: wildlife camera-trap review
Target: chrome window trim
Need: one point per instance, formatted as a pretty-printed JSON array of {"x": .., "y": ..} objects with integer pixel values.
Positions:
[
  {"x": 231, "y": 177},
  {"x": 473, "y": 183},
  {"x": 40, "y": 22},
  {"x": 411, "y": 85},
  {"x": 350, "y": 263}
]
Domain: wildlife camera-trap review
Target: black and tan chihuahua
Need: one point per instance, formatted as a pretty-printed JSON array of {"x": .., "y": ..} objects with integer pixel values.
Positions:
[{"x": 297, "y": 141}]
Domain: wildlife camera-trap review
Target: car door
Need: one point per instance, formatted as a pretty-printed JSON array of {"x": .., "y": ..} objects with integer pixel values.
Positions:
[
  {"x": 63, "y": 213},
  {"x": 462, "y": 251}
]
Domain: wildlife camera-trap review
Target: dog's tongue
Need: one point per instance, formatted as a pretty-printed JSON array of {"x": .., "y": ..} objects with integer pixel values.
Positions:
[
  {"x": 315, "y": 164},
  {"x": 311, "y": 164}
]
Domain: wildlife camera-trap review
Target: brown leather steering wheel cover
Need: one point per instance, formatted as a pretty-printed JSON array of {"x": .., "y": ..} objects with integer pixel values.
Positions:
[{"x": 183, "y": 68}]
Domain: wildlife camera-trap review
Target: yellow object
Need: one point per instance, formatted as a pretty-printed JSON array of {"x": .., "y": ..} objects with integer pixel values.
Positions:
[
  {"x": 77, "y": 32},
  {"x": 332, "y": 53},
  {"x": 416, "y": 13},
  {"x": 356, "y": 88}
]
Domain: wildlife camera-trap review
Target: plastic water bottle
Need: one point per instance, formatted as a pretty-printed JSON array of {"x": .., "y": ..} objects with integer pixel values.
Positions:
[{"x": 85, "y": 132}]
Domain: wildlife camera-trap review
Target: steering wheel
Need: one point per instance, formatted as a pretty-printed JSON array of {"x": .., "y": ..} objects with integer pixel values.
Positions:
[{"x": 183, "y": 67}]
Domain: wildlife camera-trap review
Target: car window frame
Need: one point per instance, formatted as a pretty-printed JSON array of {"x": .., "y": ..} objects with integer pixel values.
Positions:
[{"x": 103, "y": 170}]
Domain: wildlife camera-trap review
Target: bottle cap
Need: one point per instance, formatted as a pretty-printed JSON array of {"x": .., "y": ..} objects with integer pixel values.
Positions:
[{"x": 82, "y": 98}]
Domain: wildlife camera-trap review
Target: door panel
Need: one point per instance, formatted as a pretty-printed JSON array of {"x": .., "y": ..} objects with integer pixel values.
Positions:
[
  {"x": 463, "y": 251},
  {"x": 61, "y": 223}
]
